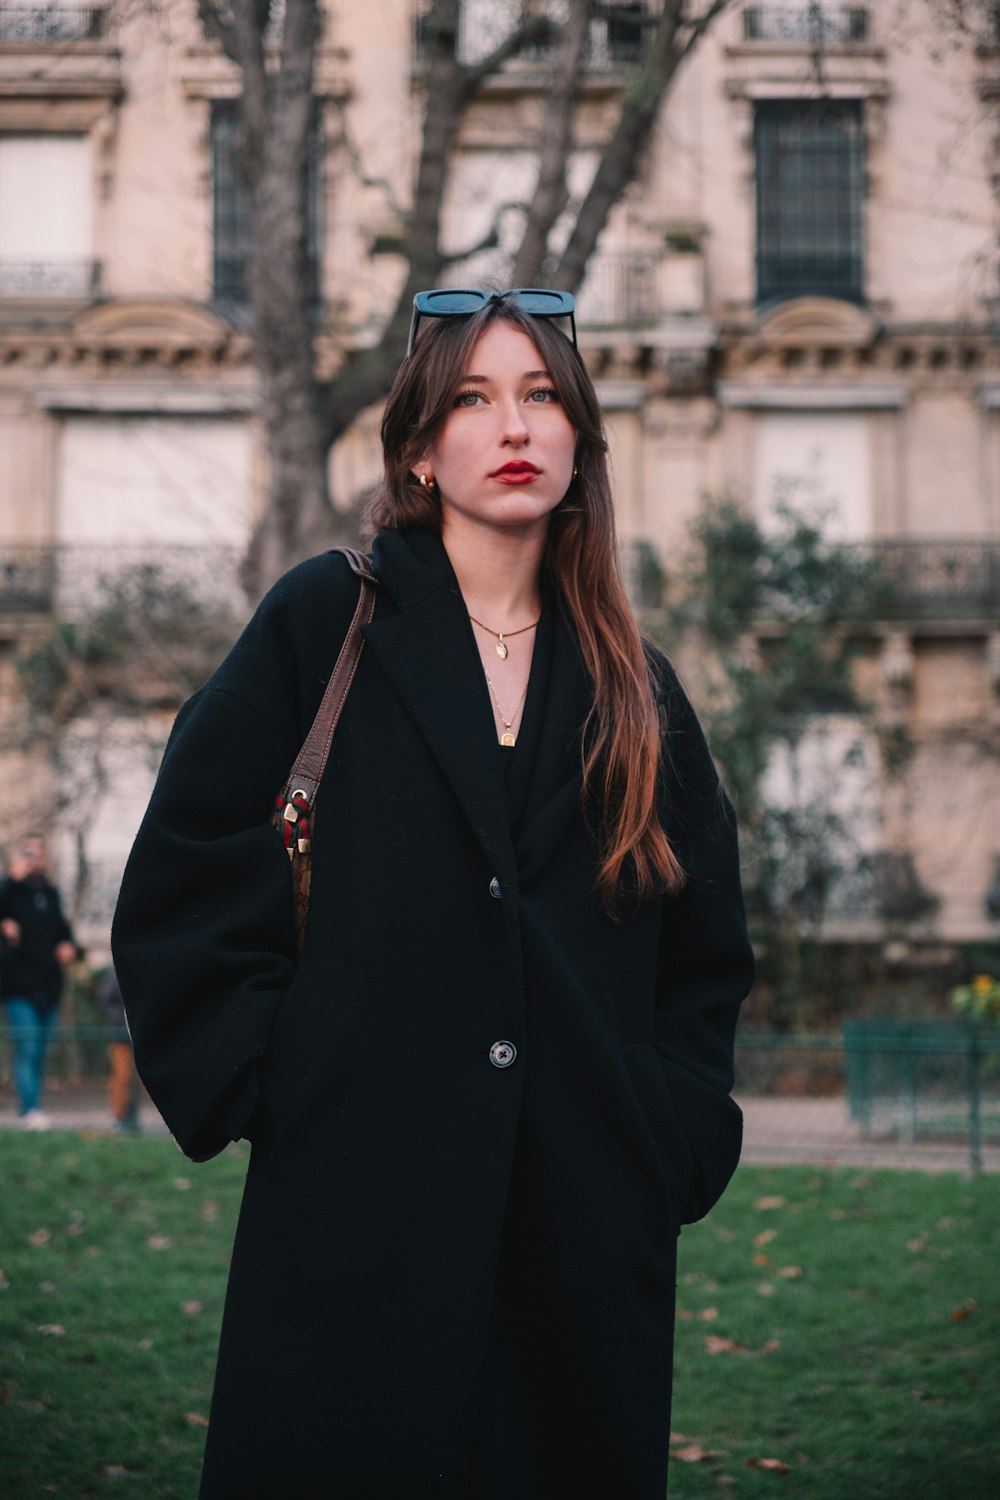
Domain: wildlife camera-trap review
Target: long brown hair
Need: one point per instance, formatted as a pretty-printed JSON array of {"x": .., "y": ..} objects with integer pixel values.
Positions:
[{"x": 621, "y": 746}]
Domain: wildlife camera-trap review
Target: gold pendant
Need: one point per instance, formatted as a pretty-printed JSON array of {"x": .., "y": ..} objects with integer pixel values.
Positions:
[
  {"x": 502, "y": 649},
  {"x": 507, "y": 738}
]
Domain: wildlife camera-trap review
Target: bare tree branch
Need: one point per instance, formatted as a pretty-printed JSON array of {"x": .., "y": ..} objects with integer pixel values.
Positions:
[
  {"x": 556, "y": 142},
  {"x": 696, "y": 29},
  {"x": 622, "y": 156}
]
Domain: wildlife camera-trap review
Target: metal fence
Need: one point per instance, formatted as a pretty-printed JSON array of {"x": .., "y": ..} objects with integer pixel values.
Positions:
[
  {"x": 877, "y": 1094},
  {"x": 880, "y": 1093}
]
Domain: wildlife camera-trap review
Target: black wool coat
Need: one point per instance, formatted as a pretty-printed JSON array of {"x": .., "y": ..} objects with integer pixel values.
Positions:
[{"x": 450, "y": 1278}]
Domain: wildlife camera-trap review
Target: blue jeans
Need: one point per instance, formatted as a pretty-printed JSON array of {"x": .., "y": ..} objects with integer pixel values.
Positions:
[{"x": 31, "y": 1039}]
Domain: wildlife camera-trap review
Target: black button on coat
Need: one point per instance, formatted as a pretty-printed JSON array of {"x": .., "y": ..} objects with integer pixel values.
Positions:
[{"x": 449, "y": 1278}]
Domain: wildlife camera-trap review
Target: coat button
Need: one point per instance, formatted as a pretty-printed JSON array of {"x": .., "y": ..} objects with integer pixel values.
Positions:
[
  {"x": 495, "y": 890},
  {"x": 502, "y": 1054}
]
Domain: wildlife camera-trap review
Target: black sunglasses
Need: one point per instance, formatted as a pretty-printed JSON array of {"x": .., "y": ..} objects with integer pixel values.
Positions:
[{"x": 458, "y": 302}]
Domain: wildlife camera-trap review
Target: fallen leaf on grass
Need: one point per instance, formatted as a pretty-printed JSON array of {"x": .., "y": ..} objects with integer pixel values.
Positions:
[
  {"x": 761, "y": 1259},
  {"x": 773, "y": 1465},
  {"x": 114, "y": 1471},
  {"x": 192, "y": 1308},
  {"x": 144, "y": 1344},
  {"x": 182, "y": 1184},
  {"x": 694, "y": 1453},
  {"x": 917, "y": 1244},
  {"x": 40, "y": 1237},
  {"x": 51, "y": 1330},
  {"x": 707, "y": 1315},
  {"x": 770, "y": 1202},
  {"x": 964, "y": 1310},
  {"x": 159, "y": 1242},
  {"x": 196, "y": 1419},
  {"x": 765, "y": 1237},
  {"x": 49, "y": 1288},
  {"x": 765, "y": 1289},
  {"x": 209, "y": 1211},
  {"x": 790, "y": 1272},
  {"x": 771, "y": 1346},
  {"x": 716, "y": 1345}
]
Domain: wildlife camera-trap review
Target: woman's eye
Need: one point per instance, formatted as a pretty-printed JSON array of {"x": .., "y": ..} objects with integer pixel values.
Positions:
[
  {"x": 542, "y": 393},
  {"x": 468, "y": 398}
]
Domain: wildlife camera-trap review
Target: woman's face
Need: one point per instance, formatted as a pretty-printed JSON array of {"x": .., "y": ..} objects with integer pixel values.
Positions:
[{"x": 504, "y": 458}]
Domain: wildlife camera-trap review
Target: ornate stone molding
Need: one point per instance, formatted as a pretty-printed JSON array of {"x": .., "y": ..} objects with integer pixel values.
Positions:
[{"x": 807, "y": 322}]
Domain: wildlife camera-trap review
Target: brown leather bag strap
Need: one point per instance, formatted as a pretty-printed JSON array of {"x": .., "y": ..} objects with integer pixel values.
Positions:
[{"x": 310, "y": 763}]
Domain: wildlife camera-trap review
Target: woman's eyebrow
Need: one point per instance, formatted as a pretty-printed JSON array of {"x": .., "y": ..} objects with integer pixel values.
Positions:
[{"x": 528, "y": 375}]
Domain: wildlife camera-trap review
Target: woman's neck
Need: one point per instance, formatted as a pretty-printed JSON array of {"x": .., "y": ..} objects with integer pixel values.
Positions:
[{"x": 499, "y": 573}]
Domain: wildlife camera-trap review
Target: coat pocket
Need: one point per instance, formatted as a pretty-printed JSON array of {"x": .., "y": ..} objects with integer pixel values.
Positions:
[{"x": 652, "y": 1093}]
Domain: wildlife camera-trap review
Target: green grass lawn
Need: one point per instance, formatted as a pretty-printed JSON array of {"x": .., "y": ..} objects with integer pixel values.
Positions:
[{"x": 843, "y": 1324}]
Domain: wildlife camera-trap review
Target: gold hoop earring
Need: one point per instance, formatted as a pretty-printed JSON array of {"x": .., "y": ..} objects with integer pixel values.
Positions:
[{"x": 427, "y": 482}]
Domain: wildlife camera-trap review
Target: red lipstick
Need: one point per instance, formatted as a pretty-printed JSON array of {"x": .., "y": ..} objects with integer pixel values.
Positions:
[{"x": 519, "y": 471}]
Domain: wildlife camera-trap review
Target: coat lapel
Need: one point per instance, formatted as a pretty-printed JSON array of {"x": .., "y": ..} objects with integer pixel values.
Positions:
[
  {"x": 424, "y": 644},
  {"x": 422, "y": 640}
]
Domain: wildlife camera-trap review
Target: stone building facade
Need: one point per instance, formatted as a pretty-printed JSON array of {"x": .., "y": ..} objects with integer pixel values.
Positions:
[{"x": 801, "y": 295}]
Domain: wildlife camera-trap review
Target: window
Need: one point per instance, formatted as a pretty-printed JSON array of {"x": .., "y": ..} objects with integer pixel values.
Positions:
[
  {"x": 818, "y": 462},
  {"x": 810, "y": 187},
  {"x": 231, "y": 210},
  {"x": 616, "y": 31},
  {"x": 46, "y": 234}
]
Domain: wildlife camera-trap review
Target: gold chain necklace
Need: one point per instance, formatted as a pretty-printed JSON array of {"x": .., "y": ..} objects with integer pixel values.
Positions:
[
  {"x": 501, "y": 645},
  {"x": 507, "y": 738}
]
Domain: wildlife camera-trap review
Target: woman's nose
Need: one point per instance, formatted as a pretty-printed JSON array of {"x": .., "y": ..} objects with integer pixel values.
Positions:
[{"x": 514, "y": 429}]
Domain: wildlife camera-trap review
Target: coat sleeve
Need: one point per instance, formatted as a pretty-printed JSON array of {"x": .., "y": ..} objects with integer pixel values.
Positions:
[
  {"x": 204, "y": 931},
  {"x": 706, "y": 965}
]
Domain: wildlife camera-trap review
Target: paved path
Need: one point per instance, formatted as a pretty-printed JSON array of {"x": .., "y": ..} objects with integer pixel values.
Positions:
[{"x": 813, "y": 1131}]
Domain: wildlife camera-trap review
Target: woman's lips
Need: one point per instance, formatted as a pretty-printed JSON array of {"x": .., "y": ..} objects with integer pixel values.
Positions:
[{"x": 516, "y": 474}]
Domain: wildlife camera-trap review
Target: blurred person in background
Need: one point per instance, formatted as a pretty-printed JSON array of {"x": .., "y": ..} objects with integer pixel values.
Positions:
[
  {"x": 123, "y": 1083},
  {"x": 36, "y": 945}
]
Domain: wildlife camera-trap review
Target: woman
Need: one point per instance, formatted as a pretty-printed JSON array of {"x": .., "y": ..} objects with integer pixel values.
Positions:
[{"x": 497, "y": 1083}]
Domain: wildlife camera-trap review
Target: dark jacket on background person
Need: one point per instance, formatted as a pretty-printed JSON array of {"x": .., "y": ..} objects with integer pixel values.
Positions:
[
  {"x": 29, "y": 969},
  {"x": 450, "y": 1278}
]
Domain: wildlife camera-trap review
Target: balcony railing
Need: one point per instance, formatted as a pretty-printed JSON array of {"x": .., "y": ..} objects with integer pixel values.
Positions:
[
  {"x": 809, "y": 24},
  {"x": 620, "y": 291},
  {"x": 944, "y": 580},
  {"x": 41, "y": 24},
  {"x": 940, "y": 580},
  {"x": 45, "y": 279},
  {"x": 615, "y": 39},
  {"x": 72, "y": 579}
]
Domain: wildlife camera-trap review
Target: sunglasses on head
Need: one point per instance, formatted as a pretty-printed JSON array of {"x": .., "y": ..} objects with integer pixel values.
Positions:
[{"x": 459, "y": 302}]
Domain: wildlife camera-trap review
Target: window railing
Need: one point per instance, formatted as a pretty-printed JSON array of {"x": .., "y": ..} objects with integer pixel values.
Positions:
[
  {"x": 615, "y": 40},
  {"x": 43, "y": 279},
  {"x": 31, "y": 24},
  {"x": 811, "y": 24},
  {"x": 619, "y": 291}
]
